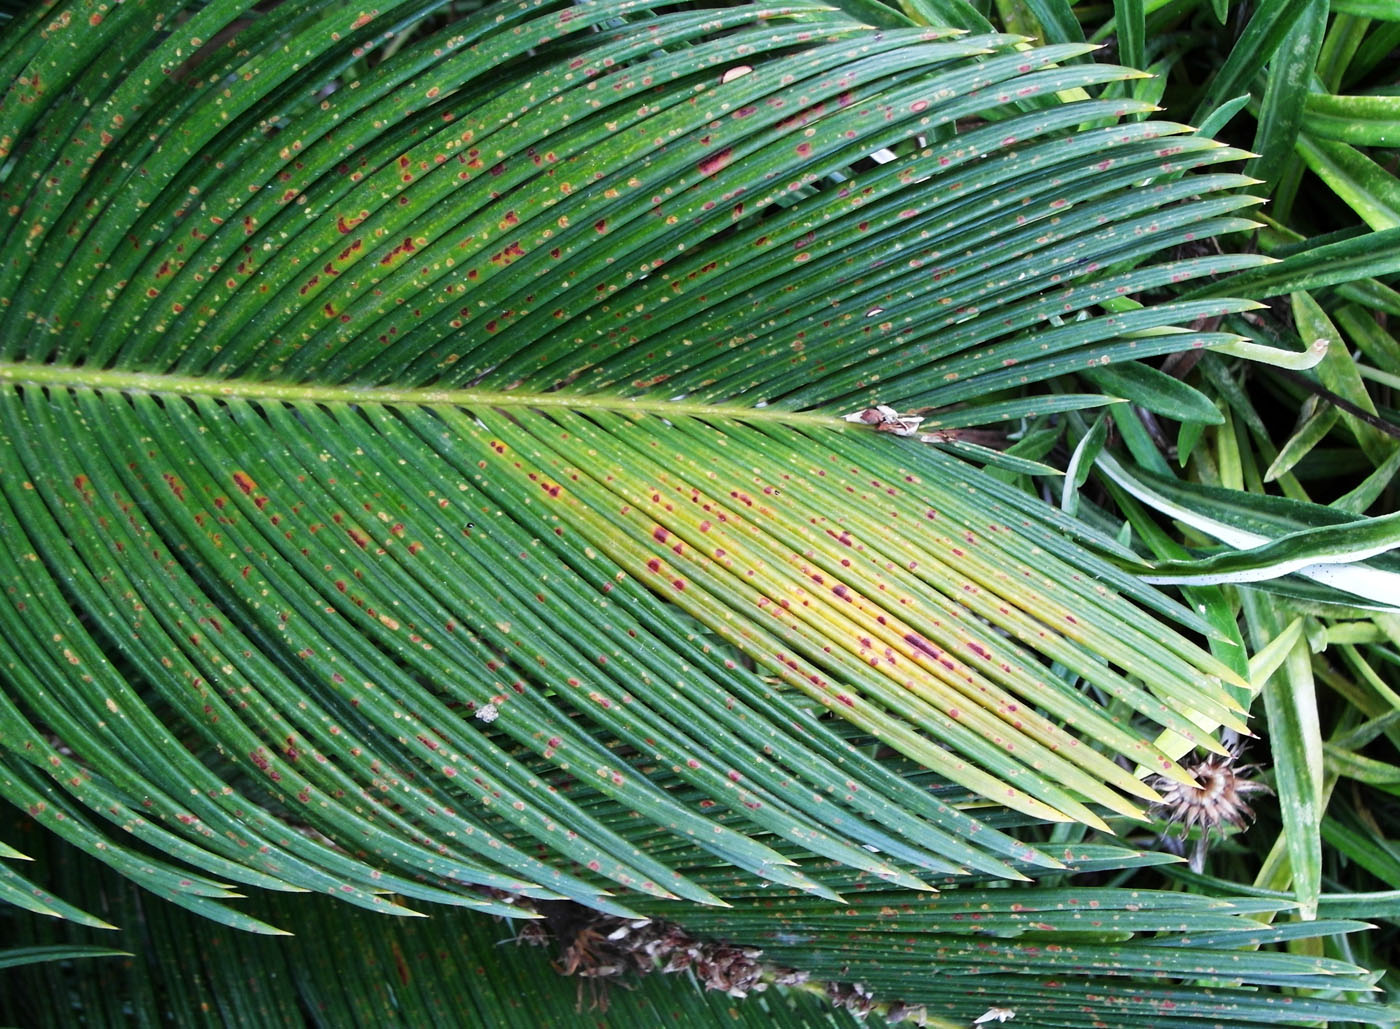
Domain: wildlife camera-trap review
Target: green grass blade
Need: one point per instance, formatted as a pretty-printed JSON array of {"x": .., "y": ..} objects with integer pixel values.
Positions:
[
  {"x": 1287, "y": 94},
  {"x": 1369, "y": 255},
  {"x": 1366, "y": 187}
]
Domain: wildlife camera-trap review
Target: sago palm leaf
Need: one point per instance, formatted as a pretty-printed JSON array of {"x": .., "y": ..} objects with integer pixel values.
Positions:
[
  {"x": 1050, "y": 956},
  {"x": 420, "y": 430}
]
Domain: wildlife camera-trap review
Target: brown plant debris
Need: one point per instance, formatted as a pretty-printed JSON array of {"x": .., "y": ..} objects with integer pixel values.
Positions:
[
  {"x": 884, "y": 418},
  {"x": 1216, "y": 801},
  {"x": 603, "y": 949}
]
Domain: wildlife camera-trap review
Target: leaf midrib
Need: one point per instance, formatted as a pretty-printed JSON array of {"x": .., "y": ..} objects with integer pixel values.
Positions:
[{"x": 20, "y": 373}]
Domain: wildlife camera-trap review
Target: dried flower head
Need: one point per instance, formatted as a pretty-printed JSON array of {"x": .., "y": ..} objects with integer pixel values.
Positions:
[{"x": 1216, "y": 799}]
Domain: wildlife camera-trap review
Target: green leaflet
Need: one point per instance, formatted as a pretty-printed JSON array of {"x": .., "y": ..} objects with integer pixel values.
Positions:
[
  {"x": 1361, "y": 257},
  {"x": 457, "y": 966},
  {"x": 15, "y": 956},
  {"x": 1146, "y": 386}
]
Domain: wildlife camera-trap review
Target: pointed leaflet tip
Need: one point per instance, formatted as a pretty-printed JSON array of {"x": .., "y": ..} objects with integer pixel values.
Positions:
[
  {"x": 1236, "y": 725},
  {"x": 1093, "y": 821},
  {"x": 799, "y": 881},
  {"x": 691, "y": 891},
  {"x": 894, "y": 876},
  {"x": 1140, "y": 789},
  {"x": 611, "y": 908},
  {"x": 1040, "y": 859}
]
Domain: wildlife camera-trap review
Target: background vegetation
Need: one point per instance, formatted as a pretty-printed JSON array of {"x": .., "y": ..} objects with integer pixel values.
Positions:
[{"x": 148, "y": 649}]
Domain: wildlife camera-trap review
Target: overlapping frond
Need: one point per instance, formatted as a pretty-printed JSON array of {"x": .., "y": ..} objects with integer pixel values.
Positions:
[{"x": 415, "y": 427}]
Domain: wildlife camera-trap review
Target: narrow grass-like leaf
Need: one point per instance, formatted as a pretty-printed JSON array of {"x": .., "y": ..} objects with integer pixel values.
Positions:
[
  {"x": 1130, "y": 20},
  {"x": 961, "y": 13},
  {"x": 1338, "y": 373},
  {"x": 1382, "y": 9},
  {"x": 1298, "y": 552},
  {"x": 1214, "y": 122},
  {"x": 1291, "y": 359},
  {"x": 1367, "y": 188},
  {"x": 1267, "y": 29},
  {"x": 1358, "y": 120},
  {"x": 1344, "y": 38},
  {"x": 1226, "y": 642},
  {"x": 1290, "y": 704},
  {"x": 1330, "y": 555},
  {"x": 1359, "y": 499},
  {"x": 1058, "y": 23},
  {"x": 1365, "y": 256},
  {"x": 1311, "y": 432},
  {"x": 1081, "y": 463},
  {"x": 1372, "y": 53},
  {"x": 1286, "y": 92},
  {"x": 1379, "y": 346},
  {"x": 879, "y": 15},
  {"x": 1156, "y": 391}
]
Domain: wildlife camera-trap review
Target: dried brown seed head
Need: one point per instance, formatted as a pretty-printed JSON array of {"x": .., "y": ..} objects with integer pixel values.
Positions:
[{"x": 1216, "y": 800}]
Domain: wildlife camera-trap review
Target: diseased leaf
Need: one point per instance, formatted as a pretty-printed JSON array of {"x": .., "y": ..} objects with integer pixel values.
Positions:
[
  {"x": 412, "y": 462},
  {"x": 424, "y": 483}
]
